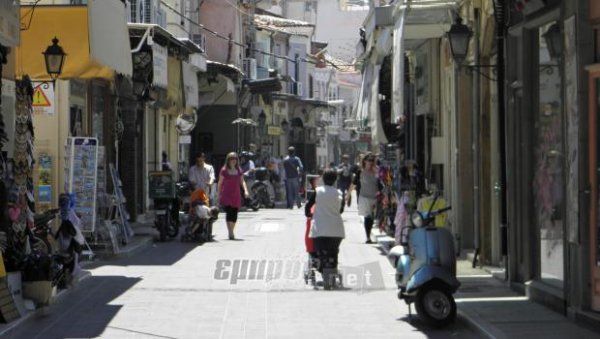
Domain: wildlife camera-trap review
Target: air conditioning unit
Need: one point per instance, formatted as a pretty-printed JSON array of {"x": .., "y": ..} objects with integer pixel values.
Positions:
[
  {"x": 250, "y": 68},
  {"x": 200, "y": 40},
  {"x": 148, "y": 11},
  {"x": 299, "y": 89},
  {"x": 135, "y": 10},
  {"x": 128, "y": 11}
]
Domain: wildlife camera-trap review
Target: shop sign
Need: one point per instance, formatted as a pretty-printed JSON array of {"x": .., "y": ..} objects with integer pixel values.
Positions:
[
  {"x": 364, "y": 137},
  {"x": 190, "y": 84},
  {"x": 160, "y": 56},
  {"x": 362, "y": 147},
  {"x": 185, "y": 139},
  {"x": 199, "y": 62},
  {"x": 45, "y": 179},
  {"x": 274, "y": 130},
  {"x": 43, "y": 98},
  {"x": 10, "y": 23}
]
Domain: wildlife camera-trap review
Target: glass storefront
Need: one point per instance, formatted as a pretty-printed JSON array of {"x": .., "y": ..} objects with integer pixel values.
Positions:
[{"x": 549, "y": 166}]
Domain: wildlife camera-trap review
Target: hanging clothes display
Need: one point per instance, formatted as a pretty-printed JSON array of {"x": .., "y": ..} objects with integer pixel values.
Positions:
[
  {"x": 402, "y": 216},
  {"x": 18, "y": 178},
  {"x": 386, "y": 201}
]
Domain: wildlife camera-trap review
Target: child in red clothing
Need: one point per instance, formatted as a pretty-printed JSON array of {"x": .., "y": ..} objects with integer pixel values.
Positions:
[{"x": 313, "y": 264}]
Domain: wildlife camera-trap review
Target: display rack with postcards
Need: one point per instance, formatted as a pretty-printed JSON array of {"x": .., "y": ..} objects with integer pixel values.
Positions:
[{"x": 81, "y": 173}]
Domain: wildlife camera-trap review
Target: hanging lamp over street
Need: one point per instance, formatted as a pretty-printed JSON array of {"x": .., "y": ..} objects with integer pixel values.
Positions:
[
  {"x": 55, "y": 59},
  {"x": 459, "y": 36}
]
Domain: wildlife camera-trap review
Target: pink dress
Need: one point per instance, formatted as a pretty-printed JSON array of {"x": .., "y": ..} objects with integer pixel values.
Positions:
[{"x": 231, "y": 194}]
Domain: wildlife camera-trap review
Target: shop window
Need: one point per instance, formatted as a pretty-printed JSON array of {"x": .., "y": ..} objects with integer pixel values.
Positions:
[
  {"x": 548, "y": 181},
  {"x": 98, "y": 109},
  {"x": 76, "y": 121}
]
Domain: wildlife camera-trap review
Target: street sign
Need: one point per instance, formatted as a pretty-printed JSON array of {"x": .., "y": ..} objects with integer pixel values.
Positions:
[
  {"x": 274, "y": 130},
  {"x": 43, "y": 98}
]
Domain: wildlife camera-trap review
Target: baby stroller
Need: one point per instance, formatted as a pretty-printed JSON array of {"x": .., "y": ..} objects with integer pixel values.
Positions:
[{"x": 202, "y": 217}]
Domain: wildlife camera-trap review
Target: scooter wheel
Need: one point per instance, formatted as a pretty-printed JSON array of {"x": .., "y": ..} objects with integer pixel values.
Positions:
[{"x": 435, "y": 305}]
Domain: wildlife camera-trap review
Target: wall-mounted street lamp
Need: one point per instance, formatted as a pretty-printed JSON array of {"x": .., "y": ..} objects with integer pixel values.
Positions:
[
  {"x": 285, "y": 125},
  {"x": 553, "y": 39},
  {"x": 262, "y": 119},
  {"x": 55, "y": 59},
  {"x": 459, "y": 36}
]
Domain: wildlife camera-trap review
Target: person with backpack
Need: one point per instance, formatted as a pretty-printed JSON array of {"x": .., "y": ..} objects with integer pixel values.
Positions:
[{"x": 293, "y": 171}]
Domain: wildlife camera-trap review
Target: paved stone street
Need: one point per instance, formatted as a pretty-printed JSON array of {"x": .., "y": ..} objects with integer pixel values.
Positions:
[{"x": 170, "y": 291}]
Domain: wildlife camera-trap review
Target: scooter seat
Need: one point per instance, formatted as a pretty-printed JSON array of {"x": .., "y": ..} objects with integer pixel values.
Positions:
[{"x": 398, "y": 251}]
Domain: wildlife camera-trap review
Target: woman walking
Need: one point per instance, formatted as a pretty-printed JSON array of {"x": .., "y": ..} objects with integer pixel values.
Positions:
[
  {"x": 327, "y": 229},
  {"x": 369, "y": 188},
  {"x": 230, "y": 196}
]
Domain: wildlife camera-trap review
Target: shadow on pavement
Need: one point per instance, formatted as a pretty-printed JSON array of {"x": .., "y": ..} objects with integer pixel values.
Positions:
[
  {"x": 86, "y": 313},
  {"x": 158, "y": 254},
  {"x": 454, "y": 330}
]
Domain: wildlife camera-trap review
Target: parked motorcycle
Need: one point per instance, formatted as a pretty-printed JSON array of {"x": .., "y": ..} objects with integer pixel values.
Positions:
[
  {"x": 167, "y": 218},
  {"x": 183, "y": 190},
  {"x": 426, "y": 269},
  {"x": 162, "y": 190},
  {"x": 261, "y": 189},
  {"x": 41, "y": 233},
  {"x": 252, "y": 201}
]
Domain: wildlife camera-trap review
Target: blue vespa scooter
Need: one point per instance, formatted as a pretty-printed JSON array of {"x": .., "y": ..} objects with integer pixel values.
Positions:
[{"x": 426, "y": 269}]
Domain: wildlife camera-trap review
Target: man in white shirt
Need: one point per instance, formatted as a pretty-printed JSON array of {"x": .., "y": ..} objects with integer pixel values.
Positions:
[{"x": 202, "y": 175}]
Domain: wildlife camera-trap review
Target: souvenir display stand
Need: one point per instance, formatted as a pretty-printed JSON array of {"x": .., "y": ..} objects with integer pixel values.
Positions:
[
  {"x": 81, "y": 171},
  {"x": 18, "y": 201},
  {"x": 114, "y": 230},
  {"x": 119, "y": 210},
  {"x": 387, "y": 202}
]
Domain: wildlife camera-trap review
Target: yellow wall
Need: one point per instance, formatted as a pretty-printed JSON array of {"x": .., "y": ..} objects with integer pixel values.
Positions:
[{"x": 51, "y": 132}]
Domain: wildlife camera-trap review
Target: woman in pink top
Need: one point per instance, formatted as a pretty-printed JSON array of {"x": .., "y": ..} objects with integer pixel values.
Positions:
[{"x": 230, "y": 197}]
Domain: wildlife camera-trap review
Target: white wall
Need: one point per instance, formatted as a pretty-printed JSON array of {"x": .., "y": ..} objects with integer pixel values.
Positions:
[
  {"x": 338, "y": 28},
  {"x": 178, "y": 26}
]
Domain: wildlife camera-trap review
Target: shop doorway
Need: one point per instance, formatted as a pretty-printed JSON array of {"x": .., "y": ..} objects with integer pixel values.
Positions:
[{"x": 594, "y": 168}]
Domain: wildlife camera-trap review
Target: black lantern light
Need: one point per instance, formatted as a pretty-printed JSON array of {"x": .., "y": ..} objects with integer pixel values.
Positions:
[
  {"x": 553, "y": 41},
  {"x": 459, "y": 36},
  {"x": 284, "y": 125},
  {"x": 262, "y": 119},
  {"x": 55, "y": 59}
]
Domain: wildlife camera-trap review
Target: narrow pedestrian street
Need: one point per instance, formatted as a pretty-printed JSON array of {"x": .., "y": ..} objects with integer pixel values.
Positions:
[{"x": 171, "y": 291}]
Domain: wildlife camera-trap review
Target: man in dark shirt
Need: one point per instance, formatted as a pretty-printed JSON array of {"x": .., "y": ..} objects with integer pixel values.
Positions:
[
  {"x": 293, "y": 171},
  {"x": 356, "y": 169},
  {"x": 344, "y": 172}
]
